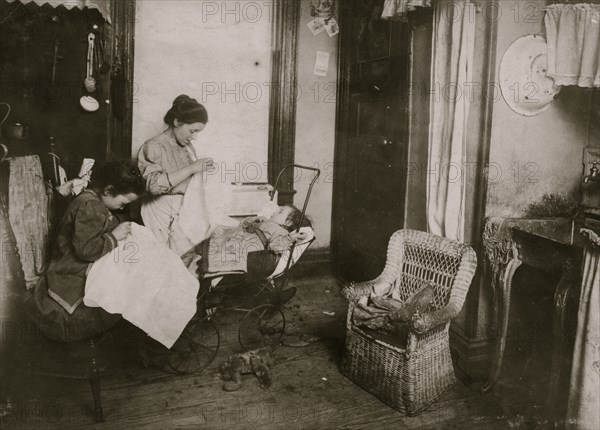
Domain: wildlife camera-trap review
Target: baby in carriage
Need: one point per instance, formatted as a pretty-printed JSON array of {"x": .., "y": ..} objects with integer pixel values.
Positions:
[
  {"x": 230, "y": 249},
  {"x": 278, "y": 231}
]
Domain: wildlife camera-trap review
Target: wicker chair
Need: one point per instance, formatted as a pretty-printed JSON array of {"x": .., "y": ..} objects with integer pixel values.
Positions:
[{"x": 410, "y": 373}]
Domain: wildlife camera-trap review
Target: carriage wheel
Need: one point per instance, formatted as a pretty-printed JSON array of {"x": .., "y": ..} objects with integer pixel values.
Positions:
[
  {"x": 196, "y": 348},
  {"x": 262, "y": 326}
]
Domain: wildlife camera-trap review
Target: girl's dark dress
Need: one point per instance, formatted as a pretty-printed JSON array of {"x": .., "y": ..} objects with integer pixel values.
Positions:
[{"x": 83, "y": 236}]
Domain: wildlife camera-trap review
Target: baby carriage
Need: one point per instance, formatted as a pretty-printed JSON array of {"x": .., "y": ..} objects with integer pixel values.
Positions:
[{"x": 261, "y": 322}]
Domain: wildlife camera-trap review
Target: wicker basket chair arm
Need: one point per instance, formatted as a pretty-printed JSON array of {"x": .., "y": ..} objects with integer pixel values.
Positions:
[
  {"x": 393, "y": 264},
  {"x": 422, "y": 323},
  {"x": 356, "y": 290}
]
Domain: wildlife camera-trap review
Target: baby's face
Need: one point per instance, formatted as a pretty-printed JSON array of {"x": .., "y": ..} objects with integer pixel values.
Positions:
[{"x": 281, "y": 215}]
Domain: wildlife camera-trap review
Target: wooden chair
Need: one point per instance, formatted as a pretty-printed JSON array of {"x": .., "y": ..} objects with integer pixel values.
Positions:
[
  {"x": 36, "y": 353},
  {"x": 409, "y": 371}
]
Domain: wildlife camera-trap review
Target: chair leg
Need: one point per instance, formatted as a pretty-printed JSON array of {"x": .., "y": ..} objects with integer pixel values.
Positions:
[{"x": 95, "y": 383}]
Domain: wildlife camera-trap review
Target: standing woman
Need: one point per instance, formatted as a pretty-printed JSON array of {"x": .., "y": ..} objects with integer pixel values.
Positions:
[{"x": 167, "y": 162}]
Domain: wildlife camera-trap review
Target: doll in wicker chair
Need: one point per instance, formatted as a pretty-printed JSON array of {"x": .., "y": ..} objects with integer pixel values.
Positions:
[{"x": 390, "y": 316}]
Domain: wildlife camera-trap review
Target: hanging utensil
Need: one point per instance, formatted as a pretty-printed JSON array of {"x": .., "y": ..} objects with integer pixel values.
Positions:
[
  {"x": 90, "y": 82},
  {"x": 89, "y": 103},
  {"x": 103, "y": 65},
  {"x": 55, "y": 60},
  {"x": 118, "y": 84},
  {"x": 52, "y": 94}
]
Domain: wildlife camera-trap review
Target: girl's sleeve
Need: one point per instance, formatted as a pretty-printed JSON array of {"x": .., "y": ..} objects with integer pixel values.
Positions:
[
  {"x": 280, "y": 243},
  {"x": 92, "y": 238},
  {"x": 150, "y": 165},
  {"x": 247, "y": 224}
]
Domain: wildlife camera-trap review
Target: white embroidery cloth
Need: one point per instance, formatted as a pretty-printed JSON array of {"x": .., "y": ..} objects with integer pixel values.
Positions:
[
  {"x": 182, "y": 222},
  {"x": 205, "y": 204},
  {"x": 145, "y": 282}
]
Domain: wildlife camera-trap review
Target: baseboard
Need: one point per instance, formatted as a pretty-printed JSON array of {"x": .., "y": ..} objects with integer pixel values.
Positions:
[
  {"x": 471, "y": 355},
  {"x": 313, "y": 262}
]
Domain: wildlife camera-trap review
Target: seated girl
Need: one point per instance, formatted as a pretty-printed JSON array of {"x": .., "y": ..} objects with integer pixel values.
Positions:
[{"x": 88, "y": 231}]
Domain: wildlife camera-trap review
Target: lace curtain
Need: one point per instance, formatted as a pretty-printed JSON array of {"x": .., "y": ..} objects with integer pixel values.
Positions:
[
  {"x": 103, "y": 6},
  {"x": 573, "y": 37}
]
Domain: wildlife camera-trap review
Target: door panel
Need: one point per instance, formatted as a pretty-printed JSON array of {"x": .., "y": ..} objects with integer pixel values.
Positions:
[{"x": 372, "y": 118}]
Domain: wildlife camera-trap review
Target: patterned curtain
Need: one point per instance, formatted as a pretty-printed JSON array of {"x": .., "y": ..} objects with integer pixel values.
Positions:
[
  {"x": 397, "y": 9},
  {"x": 103, "y": 6},
  {"x": 583, "y": 412}
]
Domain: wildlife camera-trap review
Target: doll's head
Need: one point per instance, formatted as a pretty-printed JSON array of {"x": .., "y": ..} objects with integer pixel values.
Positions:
[
  {"x": 118, "y": 183},
  {"x": 290, "y": 217}
]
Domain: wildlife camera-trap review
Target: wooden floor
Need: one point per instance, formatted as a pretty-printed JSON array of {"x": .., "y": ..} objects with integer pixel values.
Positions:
[{"x": 308, "y": 391}]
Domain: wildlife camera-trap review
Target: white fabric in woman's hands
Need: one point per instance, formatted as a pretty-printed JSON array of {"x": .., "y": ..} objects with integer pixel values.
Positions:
[
  {"x": 147, "y": 283},
  {"x": 205, "y": 205}
]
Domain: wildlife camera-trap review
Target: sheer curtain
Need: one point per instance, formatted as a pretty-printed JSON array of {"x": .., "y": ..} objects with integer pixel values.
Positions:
[
  {"x": 452, "y": 61},
  {"x": 573, "y": 37}
]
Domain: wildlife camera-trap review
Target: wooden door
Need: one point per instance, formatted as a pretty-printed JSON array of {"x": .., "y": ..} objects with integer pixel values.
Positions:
[{"x": 372, "y": 138}]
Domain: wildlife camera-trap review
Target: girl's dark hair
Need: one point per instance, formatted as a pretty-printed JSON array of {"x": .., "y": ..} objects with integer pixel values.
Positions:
[
  {"x": 186, "y": 110},
  {"x": 295, "y": 217},
  {"x": 121, "y": 177}
]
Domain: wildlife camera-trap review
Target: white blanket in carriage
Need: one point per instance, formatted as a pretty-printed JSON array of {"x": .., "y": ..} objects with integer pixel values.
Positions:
[{"x": 147, "y": 283}]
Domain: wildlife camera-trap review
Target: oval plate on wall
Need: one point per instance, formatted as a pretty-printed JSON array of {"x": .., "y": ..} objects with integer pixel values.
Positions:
[{"x": 525, "y": 86}]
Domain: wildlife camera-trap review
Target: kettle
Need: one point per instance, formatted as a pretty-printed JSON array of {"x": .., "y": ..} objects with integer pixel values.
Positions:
[{"x": 16, "y": 131}]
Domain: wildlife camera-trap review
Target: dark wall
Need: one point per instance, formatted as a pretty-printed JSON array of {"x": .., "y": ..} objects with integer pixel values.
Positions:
[
  {"x": 27, "y": 42},
  {"x": 594, "y": 133}
]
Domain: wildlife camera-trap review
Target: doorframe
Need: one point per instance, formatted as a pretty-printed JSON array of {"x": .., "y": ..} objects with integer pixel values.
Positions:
[
  {"x": 341, "y": 135},
  {"x": 470, "y": 343},
  {"x": 122, "y": 36},
  {"x": 282, "y": 106}
]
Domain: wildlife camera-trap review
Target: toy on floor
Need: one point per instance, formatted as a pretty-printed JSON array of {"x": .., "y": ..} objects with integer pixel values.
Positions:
[{"x": 256, "y": 361}]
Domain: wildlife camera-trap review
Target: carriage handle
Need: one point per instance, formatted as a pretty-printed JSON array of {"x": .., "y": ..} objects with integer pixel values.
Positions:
[{"x": 310, "y": 187}]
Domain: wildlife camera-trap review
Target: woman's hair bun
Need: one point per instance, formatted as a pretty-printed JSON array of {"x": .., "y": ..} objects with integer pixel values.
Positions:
[
  {"x": 183, "y": 98},
  {"x": 186, "y": 110}
]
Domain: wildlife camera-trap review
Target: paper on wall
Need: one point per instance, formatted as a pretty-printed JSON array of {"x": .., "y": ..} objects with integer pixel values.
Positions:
[
  {"x": 316, "y": 26},
  {"x": 322, "y": 63},
  {"x": 332, "y": 27}
]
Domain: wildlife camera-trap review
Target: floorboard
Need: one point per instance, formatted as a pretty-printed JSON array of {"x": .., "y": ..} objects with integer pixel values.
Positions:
[{"x": 308, "y": 391}]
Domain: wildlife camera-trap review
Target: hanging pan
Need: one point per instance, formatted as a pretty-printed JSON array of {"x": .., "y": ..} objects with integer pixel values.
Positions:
[{"x": 87, "y": 102}]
